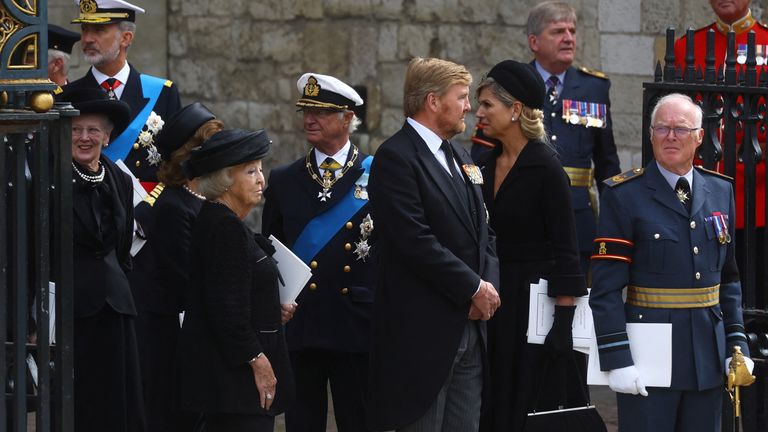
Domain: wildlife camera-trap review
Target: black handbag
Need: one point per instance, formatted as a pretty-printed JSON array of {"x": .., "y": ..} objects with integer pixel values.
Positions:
[{"x": 574, "y": 419}]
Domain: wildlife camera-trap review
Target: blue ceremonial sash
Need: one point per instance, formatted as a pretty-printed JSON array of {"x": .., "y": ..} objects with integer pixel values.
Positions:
[
  {"x": 121, "y": 146},
  {"x": 321, "y": 229}
]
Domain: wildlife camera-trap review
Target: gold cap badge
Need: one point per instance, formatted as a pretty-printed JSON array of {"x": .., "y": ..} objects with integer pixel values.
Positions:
[
  {"x": 312, "y": 88},
  {"x": 88, "y": 6}
]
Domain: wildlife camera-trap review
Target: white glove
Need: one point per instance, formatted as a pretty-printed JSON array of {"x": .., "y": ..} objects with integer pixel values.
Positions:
[
  {"x": 750, "y": 364},
  {"x": 626, "y": 380}
]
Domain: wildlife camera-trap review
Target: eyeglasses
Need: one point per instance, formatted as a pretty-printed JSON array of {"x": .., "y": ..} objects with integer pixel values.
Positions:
[
  {"x": 680, "y": 132},
  {"x": 91, "y": 132}
]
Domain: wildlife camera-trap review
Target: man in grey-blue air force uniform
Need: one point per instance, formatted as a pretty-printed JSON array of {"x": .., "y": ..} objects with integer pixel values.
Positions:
[{"x": 666, "y": 234}]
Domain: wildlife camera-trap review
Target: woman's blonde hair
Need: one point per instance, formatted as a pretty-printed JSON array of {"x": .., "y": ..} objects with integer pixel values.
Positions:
[
  {"x": 531, "y": 119},
  {"x": 170, "y": 172}
]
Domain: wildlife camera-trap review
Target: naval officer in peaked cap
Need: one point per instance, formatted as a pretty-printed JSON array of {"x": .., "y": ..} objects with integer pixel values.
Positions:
[
  {"x": 318, "y": 206},
  {"x": 107, "y": 31}
]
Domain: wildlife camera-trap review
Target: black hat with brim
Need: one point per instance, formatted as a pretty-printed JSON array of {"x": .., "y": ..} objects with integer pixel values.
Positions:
[
  {"x": 521, "y": 80},
  {"x": 227, "y": 148},
  {"x": 61, "y": 39},
  {"x": 180, "y": 127},
  {"x": 95, "y": 101}
]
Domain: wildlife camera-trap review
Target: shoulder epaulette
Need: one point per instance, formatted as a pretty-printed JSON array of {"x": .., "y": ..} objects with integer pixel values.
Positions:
[
  {"x": 58, "y": 90},
  {"x": 624, "y": 177},
  {"x": 593, "y": 72},
  {"x": 168, "y": 83},
  {"x": 714, "y": 173},
  {"x": 155, "y": 194}
]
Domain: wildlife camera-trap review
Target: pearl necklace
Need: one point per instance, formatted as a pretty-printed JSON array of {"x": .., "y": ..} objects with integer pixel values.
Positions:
[
  {"x": 98, "y": 178},
  {"x": 195, "y": 194}
]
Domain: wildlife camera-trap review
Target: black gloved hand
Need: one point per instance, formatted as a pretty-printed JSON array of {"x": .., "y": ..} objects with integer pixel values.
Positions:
[{"x": 559, "y": 340}]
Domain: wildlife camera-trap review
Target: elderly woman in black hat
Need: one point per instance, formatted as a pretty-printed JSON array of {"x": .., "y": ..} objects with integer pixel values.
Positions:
[
  {"x": 233, "y": 358},
  {"x": 527, "y": 196},
  {"x": 108, "y": 393},
  {"x": 160, "y": 282}
]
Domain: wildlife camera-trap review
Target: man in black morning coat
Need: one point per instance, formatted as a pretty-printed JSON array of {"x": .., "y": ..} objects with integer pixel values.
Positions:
[{"x": 438, "y": 263}]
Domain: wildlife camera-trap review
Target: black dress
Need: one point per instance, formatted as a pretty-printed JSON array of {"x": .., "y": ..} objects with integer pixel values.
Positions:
[
  {"x": 160, "y": 292},
  {"x": 535, "y": 238},
  {"x": 233, "y": 314},
  {"x": 107, "y": 380}
]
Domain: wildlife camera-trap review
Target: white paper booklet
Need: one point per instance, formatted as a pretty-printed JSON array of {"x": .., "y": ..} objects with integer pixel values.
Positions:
[
  {"x": 138, "y": 190},
  {"x": 651, "y": 345},
  {"x": 541, "y": 311},
  {"x": 294, "y": 272}
]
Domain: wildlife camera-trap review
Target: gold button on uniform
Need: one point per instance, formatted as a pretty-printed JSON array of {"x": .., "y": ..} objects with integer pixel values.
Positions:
[
  {"x": 313, "y": 264},
  {"x": 347, "y": 269},
  {"x": 695, "y": 250},
  {"x": 348, "y": 225},
  {"x": 348, "y": 247},
  {"x": 693, "y": 224},
  {"x": 345, "y": 291},
  {"x": 698, "y": 275},
  {"x": 138, "y": 163},
  {"x": 657, "y": 236},
  {"x": 553, "y": 115},
  {"x": 313, "y": 286},
  {"x": 135, "y": 146}
]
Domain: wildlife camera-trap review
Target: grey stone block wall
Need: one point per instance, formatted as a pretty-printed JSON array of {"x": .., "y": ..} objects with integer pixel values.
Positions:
[
  {"x": 242, "y": 57},
  {"x": 149, "y": 52}
]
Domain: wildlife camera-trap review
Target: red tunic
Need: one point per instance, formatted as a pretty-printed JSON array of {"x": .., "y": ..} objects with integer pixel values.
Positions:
[{"x": 742, "y": 28}]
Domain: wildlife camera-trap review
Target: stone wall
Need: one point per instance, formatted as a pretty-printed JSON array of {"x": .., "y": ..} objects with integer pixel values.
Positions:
[
  {"x": 149, "y": 52},
  {"x": 242, "y": 57}
]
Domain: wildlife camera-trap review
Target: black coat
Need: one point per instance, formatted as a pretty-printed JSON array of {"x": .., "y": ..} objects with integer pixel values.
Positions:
[
  {"x": 168, "y": 103},
  {"x": 169, "y": 232},
  {"x": 432, "y": 259},
  {"x": 102, "y": 254},
  {"x": 334, "y": 310},
  {"x": 532, "y": 217},
  {"x": 233, "y": 315},
  {"x": 106, "y": 398}
]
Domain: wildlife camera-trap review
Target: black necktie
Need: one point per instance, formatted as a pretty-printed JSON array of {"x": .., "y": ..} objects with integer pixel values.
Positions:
[
  {"x": 684, "y": 193},
  {"x": 458, "y": 182}
]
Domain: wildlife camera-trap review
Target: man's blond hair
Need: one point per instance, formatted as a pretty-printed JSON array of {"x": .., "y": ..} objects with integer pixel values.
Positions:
[{"x": 430, "y": 75}]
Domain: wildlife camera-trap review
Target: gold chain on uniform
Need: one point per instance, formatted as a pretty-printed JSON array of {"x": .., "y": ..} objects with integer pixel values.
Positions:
[{"x": 327, "y": 184}]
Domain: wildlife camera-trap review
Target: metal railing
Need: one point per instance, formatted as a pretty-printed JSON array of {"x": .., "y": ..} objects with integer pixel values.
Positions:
[{"x": 36, "y": 367}]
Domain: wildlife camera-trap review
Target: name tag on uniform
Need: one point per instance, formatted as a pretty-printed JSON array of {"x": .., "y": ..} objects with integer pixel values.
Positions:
[{"x": 473, "y": 172}]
